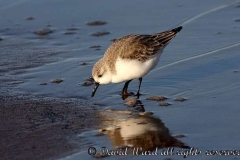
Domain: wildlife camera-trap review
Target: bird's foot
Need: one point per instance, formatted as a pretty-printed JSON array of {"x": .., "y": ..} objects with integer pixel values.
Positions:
[{"x": 127, "y": 94}]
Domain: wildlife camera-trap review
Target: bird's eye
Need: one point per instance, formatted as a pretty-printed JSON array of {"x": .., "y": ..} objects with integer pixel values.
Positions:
[{"x": 99, "y": 76}]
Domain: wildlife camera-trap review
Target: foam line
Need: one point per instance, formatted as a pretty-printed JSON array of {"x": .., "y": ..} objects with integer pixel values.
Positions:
[
  {"x": 189, "y": 20},
  {"x": 198, "y": 56}
]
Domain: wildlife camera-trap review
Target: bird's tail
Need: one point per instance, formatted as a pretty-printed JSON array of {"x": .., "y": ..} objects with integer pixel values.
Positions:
[{"x": 165, "y": 37}]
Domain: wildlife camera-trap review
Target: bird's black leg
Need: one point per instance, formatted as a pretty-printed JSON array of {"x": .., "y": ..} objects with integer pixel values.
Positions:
[
  {"x": 139, "y": 85},
  {"x": 125, "y": 94},
  {"x": 124, "y": 91}
]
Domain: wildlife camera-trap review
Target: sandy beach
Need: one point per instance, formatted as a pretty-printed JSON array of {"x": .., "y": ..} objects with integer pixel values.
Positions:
[{"x": 189, "y": 102}]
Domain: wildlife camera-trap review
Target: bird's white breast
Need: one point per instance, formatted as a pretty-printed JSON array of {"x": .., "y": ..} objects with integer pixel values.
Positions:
[{"x": 127, "y": 69}]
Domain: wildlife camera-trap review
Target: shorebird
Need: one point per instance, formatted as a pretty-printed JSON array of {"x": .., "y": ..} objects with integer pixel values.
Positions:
[{"x": 131, "y": 57}]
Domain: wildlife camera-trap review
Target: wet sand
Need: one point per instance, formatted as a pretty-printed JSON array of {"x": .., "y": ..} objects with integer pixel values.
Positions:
[
  {"x": 42, "y": 128},
  {"x": 36, "y": 127},
  {"x": 198, "y": 73}
]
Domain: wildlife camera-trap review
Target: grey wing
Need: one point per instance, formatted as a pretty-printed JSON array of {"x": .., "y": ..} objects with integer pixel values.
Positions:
[{"x": 142, "y": 47}]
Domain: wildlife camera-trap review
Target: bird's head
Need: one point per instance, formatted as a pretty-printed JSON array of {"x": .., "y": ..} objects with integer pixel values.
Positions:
[{"x": 100, "y": 74}]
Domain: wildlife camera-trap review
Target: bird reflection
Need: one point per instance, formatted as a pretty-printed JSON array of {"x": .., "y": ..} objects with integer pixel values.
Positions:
[{"x": 145, "y": 132}]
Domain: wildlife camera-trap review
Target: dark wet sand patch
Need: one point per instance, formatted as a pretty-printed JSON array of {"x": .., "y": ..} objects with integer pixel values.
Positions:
[
  {"x": 98, "y": 34},
  {"x": 83, "y": 64},
  {"x": 88, "y": 82},
  {"x": 95, "y": 46},
  {"x": 44, "y": 83},
  {"x": 165, "y": 104},
  {"x": 43, "y": 32},
  {"x": 237, "y": 6},
  {"x": 180, "y": 136},
  {"x": 40, "y": 128},
  {"x": 30, "y": 18},
  {"x": 180, "y": 99},
  {"x": 157, "y": 98},
  {"x": 237, "y": 20},
  {"x": 236, "y": 71},
  {"x": 57, "y": 80},
  {"x": 96, "y": 23},
  {"x": 69, "y": 33}
]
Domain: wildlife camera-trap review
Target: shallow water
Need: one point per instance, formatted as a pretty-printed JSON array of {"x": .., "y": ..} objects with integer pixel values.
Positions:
[{"x": 202, "y": 63}]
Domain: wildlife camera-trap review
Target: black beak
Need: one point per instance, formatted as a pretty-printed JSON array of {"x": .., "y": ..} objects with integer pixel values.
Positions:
[{"x": 95, "y": 88}]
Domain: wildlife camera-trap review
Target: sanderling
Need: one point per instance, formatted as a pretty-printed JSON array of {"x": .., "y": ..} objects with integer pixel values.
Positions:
[{"x": 131, "y": 57}]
